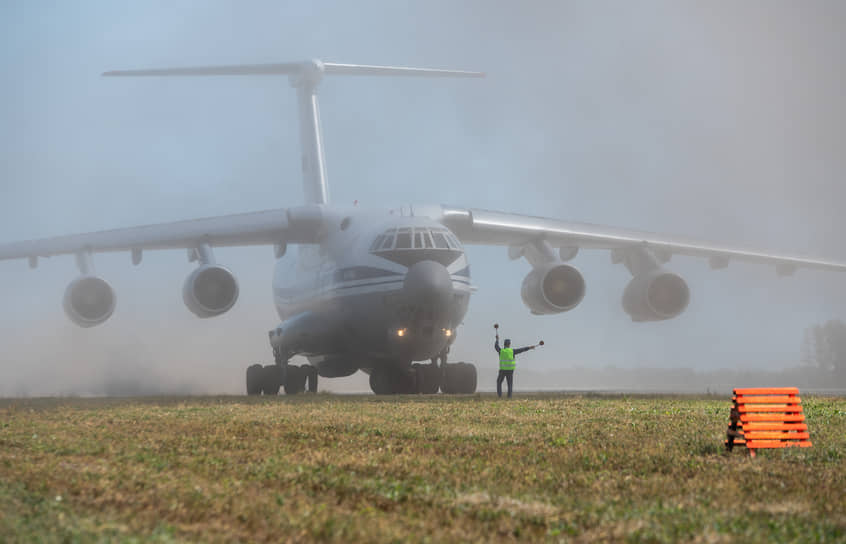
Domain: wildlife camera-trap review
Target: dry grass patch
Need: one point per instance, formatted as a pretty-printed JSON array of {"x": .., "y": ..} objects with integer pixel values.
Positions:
[{"x": 336, "y": 468}]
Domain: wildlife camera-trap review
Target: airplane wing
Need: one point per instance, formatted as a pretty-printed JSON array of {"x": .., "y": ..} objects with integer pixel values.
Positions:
[
  {"x": 485, "y": 227},
  {"x": 270, "y": 227}
]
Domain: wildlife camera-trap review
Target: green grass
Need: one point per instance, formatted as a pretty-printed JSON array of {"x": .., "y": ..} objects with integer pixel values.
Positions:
[{"x": 558, "y": 468}]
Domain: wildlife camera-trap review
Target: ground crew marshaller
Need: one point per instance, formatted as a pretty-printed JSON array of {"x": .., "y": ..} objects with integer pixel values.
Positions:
[{"x": 507, "y": 362}]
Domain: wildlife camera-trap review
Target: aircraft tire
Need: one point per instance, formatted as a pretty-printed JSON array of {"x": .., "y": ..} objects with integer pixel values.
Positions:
[
  {"x": 295, "y": 380},
  {"x": 469, "y": 379},
  {"x": 460, "y": 379},
  {"x": 312, "y": 378},
  {"x": 427, "y": 378},
  {"x": 254, "y": 379},
  {"x": 451, "y": 378},
  {"x": 271, "y": 380},
  {"x": 403, "y": 383},
  {"x": 380, "y": 383}
]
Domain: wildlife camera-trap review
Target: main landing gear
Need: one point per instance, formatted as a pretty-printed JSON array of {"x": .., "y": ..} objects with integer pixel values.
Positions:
[
  {"x": 268, "y": 379},
  {"x": 425, "y": 378},
  {"x": 300, "y": 379}
]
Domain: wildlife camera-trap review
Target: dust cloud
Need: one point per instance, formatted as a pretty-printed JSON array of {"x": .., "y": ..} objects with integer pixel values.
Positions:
[{"x": 718, "y": 121}]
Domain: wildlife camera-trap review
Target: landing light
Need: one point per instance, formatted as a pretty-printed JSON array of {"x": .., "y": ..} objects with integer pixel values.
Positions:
[
  {"x": 401, "y": 332},
  {"x": 447, "y": 332}
]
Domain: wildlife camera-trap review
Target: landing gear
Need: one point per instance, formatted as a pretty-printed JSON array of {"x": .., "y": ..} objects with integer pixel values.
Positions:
[
  {"x": 387, "y": 381},
  {"x": 296, "y": 381},
  {"x": 254, "y": 376},
  {"x": 455, "y": 378},
  {"x": 459, "y": 378},
  {"x": 264, "y": 379},
  {"x": 312, "y": 379},
  {"x": 425, "y": 378},
  {"x": 300, "y": 379},
  {"x": 380, "y": 383},
  {"x": 270, "y": 378}
]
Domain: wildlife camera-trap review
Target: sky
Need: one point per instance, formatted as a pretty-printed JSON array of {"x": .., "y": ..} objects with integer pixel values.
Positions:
[{"x": 721, "y": 121}]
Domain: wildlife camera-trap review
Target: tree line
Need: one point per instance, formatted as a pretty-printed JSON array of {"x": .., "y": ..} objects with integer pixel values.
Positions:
[{"x": 824, "y": 351}]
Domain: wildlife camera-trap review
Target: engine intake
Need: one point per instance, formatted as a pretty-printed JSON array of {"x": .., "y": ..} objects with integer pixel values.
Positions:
[
  {"x": 656, "y": 296},
  {"x": 210, "y": 290},
  {"x": 89, "y": 301},
  {"x": 553, "y": 289}
]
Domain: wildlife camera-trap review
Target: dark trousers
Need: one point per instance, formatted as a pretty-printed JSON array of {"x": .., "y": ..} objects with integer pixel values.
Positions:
[{"x": 504, "y": 374}]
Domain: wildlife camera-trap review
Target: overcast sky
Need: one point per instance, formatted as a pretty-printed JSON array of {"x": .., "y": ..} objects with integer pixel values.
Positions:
[{"x": 723, "y": 121}]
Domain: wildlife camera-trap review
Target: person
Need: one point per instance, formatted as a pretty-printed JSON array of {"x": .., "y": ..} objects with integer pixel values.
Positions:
[{"x": 507, "y": 363}]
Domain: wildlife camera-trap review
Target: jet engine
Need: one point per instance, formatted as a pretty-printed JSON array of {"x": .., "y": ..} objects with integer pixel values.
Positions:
[
  {"x": 553, "y": 288},
  {"x": 210, "y": 290},
  {"x": 655, "y": 296},
  {"x": 89, "y": 301}
]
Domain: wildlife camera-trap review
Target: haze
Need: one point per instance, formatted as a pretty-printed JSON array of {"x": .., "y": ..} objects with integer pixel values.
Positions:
[{"x": 714, "y": 120}]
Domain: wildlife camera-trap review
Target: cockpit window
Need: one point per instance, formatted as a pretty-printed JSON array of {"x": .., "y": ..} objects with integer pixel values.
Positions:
[
  {"x": 408, "y": 245},
  {"x": 453, "y": 242},
  {"x": 389, "y": 240},
  {"x": 440, "y": 240},
  {"x": 377, "y": 242},
  {"x": 404, "y": 239}
]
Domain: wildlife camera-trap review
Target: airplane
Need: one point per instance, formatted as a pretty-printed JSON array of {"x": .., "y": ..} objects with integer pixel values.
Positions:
[{"x": 372, "y": 290}]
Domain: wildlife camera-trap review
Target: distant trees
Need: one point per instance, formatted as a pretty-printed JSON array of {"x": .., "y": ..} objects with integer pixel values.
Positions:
[{"x": 824, "y": 350}]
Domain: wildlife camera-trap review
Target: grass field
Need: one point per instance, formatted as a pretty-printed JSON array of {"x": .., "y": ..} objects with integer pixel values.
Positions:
[{"x": 364, "y": 468}]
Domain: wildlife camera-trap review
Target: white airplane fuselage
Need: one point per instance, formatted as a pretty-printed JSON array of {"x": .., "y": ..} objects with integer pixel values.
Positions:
[{"x": 378, "y": 290}]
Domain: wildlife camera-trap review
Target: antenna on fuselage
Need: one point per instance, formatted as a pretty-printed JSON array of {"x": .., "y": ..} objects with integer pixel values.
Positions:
[{"x": 305, "y": 77}]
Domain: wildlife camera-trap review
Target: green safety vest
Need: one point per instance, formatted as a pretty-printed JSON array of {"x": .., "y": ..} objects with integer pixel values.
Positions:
[{"x": 506, "y": 359}]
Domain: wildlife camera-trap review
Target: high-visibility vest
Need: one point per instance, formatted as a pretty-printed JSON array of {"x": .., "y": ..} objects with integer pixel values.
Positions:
[{"x": 506, "y": 359}]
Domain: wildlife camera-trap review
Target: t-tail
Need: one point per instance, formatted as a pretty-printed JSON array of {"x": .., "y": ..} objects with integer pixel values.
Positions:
[{"x": 305, "y": 77}]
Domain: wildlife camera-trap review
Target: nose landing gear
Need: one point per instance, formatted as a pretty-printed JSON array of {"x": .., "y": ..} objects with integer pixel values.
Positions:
[
  {"x": 423, "y": 378},
  {"x": 427, "y": 377}
]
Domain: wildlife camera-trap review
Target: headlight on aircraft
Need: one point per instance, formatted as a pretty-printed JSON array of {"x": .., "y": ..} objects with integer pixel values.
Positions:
[
  {"x": 402, "y": 332},
  {"x": 447, "y": 332}
]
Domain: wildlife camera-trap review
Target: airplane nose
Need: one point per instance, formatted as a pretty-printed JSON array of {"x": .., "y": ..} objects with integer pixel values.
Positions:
[{"x": 428, "y": 282}]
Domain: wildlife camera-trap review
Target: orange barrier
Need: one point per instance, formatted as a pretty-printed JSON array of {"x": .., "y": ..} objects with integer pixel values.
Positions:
[{"x": 767, "y": 417}]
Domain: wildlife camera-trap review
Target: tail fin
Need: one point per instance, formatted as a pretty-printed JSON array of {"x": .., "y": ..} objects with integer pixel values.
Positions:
[{"x": 305, "y": 77}]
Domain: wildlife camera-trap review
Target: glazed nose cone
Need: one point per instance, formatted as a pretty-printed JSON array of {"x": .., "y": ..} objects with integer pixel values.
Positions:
[{"x": 428, "y": 282}]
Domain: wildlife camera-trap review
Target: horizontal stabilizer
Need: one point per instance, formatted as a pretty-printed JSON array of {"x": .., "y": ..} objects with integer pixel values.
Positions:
[
  {"x": 294, "y": 68},
  {"x": 234, "y": 70},
  {"x": 365, "y": 70}
]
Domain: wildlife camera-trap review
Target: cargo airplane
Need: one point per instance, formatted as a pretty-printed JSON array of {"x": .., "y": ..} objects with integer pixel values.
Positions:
[{"x": 379, "y": 291}]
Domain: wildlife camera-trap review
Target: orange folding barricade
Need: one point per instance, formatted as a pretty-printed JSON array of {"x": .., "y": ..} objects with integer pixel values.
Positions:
[{"x": 767, "y": 417}]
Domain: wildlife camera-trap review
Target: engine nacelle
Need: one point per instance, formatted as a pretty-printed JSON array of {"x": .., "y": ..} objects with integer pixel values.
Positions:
[
  {"x": 210, "y": 290},
  {"x": 89, "y": 301},
  {"x": 656, "y": 296},
  {"x": 553, "y": 289}
]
